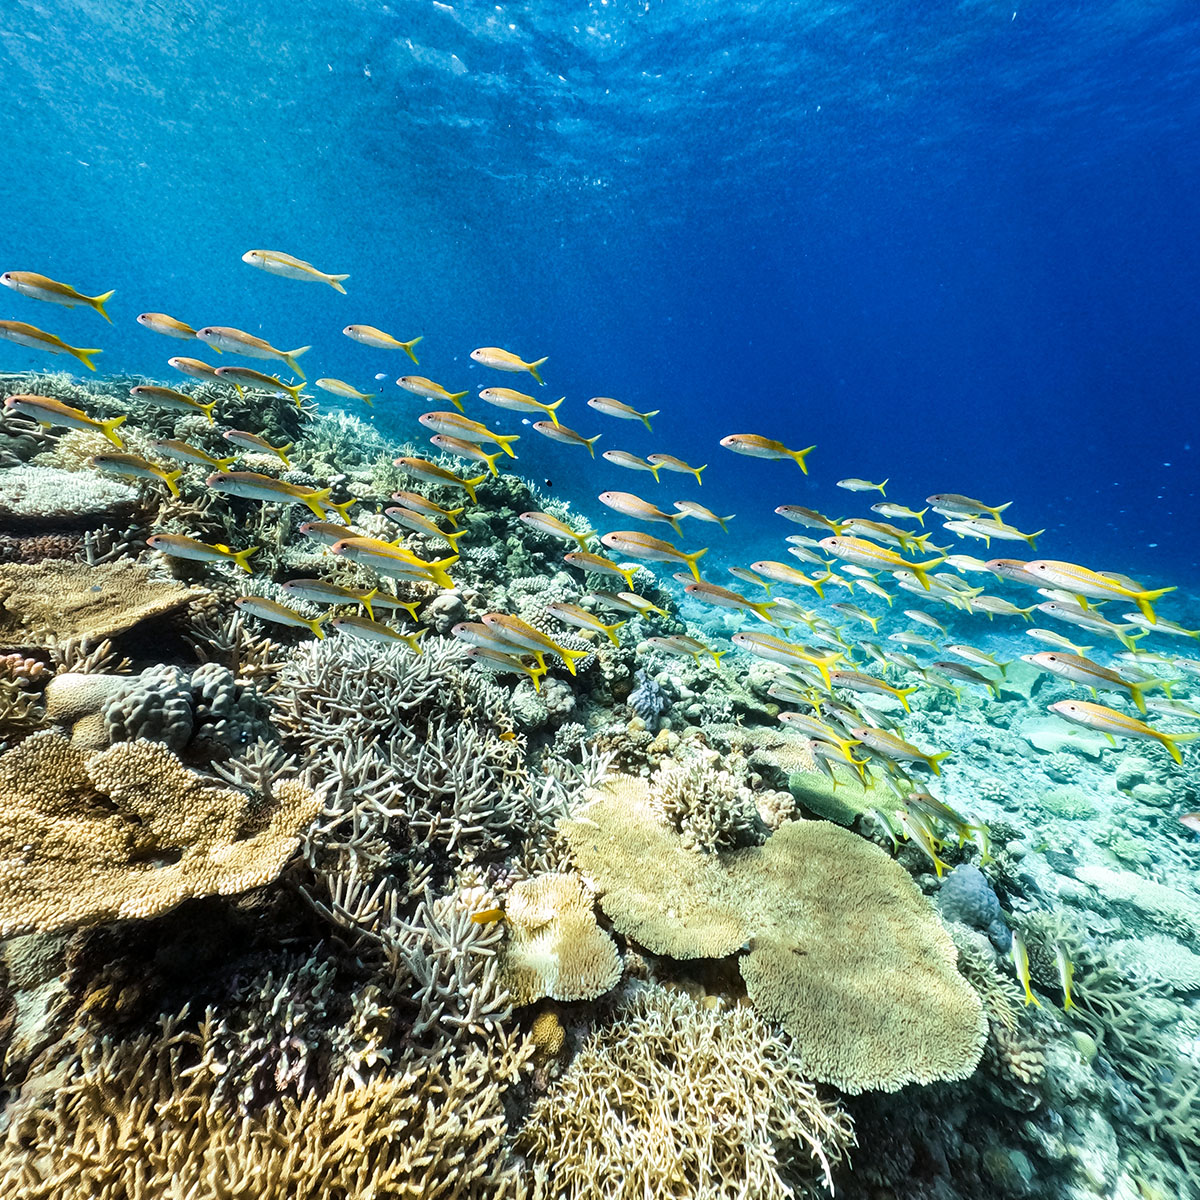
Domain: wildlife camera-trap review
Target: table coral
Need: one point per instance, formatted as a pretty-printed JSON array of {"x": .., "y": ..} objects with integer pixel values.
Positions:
[{"x": 129, "y": 833}]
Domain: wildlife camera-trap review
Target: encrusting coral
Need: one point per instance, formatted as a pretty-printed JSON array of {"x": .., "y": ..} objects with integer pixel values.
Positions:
[
  {"x": 128, "y": 833},
  {"x": 842, "y": 949}
]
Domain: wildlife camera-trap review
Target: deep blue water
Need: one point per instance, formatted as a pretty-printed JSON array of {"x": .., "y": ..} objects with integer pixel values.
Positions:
[{"x": 952, "y": 244}]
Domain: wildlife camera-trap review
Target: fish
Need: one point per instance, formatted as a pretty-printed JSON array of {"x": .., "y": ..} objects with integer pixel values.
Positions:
[
  {"x": 881, "y": 531},
  {"x": 388, "y": 558},
  {"x": 614, "y": 408},
  {"x": 195, "y": 369},
  {"x": 275, "y": 262},
  {"x": 998, "y": 606},
  {"x": 686, "y": 647},
  {"x": 421, "y": 504},
  {"x": 622, "y": 458},
  {"x": 178, "y": 546},
  {"x": 642, "y": 545},
  {"x": 505, "y": 360},
  {"x": 757, "y": 446},
  {"x": 249, "y": 485},
  {"x": 981, "y": 658},
  {"x": 522, "y": 634},
  {"x": 545, "y": 523},
  {"x": 818, "y": 730},
  {"x": 253, "y": 441},
  {"x": 1082, "y": 670},
  {"x": 467, "y": 450},
  {"x": 745, "y": 575},
  {"x": 424, "y": 469},
  {"x": 518, "y": 402},
  {"x": 586, "y": 561},
  {"x": 560, "y": 433},
  {"x": 920, "y": 834},
  {"x": 1092, "y": 621},
  {"x": 977, "y": 527},
  {"x": 320, "y": 591},
  {"x": 420, "y": 523},
  {"x": 1166, "y": 707},
  {"x": 496, "y": 660},
  {"x": 270, "y": 610},
  {"x": 855, "y": 681},
  {"x": 966, "y": 562},
  {"x": 33, "y": 338},
  {"x": 808, "y": 517},
  {"x": 867, "y": 554},
  {"x": 418, "y": 385},
  {"x": 628, "y": 602},
  {"x": 39, "y": 287},
  {"x": 894, "y": 748},
  {"x": 367, "y": 630},
  {"x": 668, "y": 462},
  {"x": 857, "y": 614},
  {"x": 368, "y": 335},
  {"x": 909, "y": 638},
  {"x": 1094, "y": 585},
  {"x": 960, "y": 671},
  {"x": 952, "y": 504},
  {"x": 572, "y": 614},
  {"x": 692, "y": 508},
  {"x": 873, "y": 589},
  {"x": 1020, "y": 957},
  {"x": 170, "y": 398},
  {"x": 862, "y": 485},
  {"x": 787, "y": 654},
  {"x": 778, "y": 572},
  {"x": 924, "y": 618},
  {"x": 168, "y": 326},
  {"x": 455, "y": 425},
  {"x": 475, "y": 633},
  {"x": 325, "y": 532},
  {"x": 1066, "y": 975},
  {"x": 1113, "y": 723},
  {"x": 237, "y": 341},
  {"x": 182, "y": 451},
  {"x": 133, "y": 466},
  {"x": 898, "y": 512},
  {"x": 339, "y": 387},
  {"x": 1160, "y": 625},
  {"x": 629, "y": 505},
  {"x": 710, "y": 593},
  {"x": 1012, "y": 569},
  {"x": 48, "y": 412},
  {"x": 247, "y": 377}
]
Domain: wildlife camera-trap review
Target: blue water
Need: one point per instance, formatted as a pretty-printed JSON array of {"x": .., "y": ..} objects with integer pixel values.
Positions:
[{"x": 951, "y": 244}]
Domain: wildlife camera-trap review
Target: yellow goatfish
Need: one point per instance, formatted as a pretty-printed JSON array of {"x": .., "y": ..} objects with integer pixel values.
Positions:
[
  {"x": 614, "y": 408},
  {"x": 468, "y": 450},
  {"x": 1066, "y": 975},
  {"x": 39, "y": 287},
  {"x": 757, "y": 446},
  {"x": 516, "y": 401},
  {"x": 254, "y": 441},
  {"x": 247, "y": 377},
  {"x": 418, "y": 503},
  {"x": 1078, "y": 669},
  {"x": 524, "y": 635},
  {"x": 951, "y": 504},
  {"x": 1111, "y": 722},
  {"x": 185, "y": 452},
  {"x": 545, "y": 523},
  {"x": 692, "y": 508},
  {"x": 985, "y": 530},
  {"x": 1094, "y": 584},
  {"x": 668, "y": 462},
  {"x": 862, "y": 485},
  {"x": 320, "y": 591},
  {"x": 420, "y": 386},
  {"x": 855, "y": 681},
  {"x": 1020, "y": 957},
  {"x": 389, "y": 559},
  {"x": 586, "y": 561},
  {"x": 710, "y": 593},
  {"x": 275, "y": 262},
  {"x": 686, "y": 647},
  {"x": 629, "y": 505},
  {"x": 631, "y": 462},
  {"x": 169, "y": 398},
  {"x": 560, "y": 433},
  {"x": 900, "y": 512},
  {"x": 280, "y": 614},
  {"x": 368, "y": 335},
  {"x": 642, "y": 545},
  {"x": 168, "y": 326},
  {"x": 424, "y": 469},
  {"x": 867, "y": 554},
  {"x": 337, "y": 387},
  {"x": 251, "y": 486},
  {"x": 194, "y": 368},
  {"x": 778, "y": 572},
  {"x": 33, "y": 338},
  {"x": 420, "y": 523},
  {"x": 178, "y": 546},
  {"x": 237, "y": 341},
  {"x": 505, "y": 360},
  {"x": 48, "y": 412},
  {"x": 572, "y": 614},
  {"x": 787, "y": 654},
  {"x": 890, "y": 746},
  {"x": 133, "y": 466},
  {"x": 367, "y": 630},
  {"x": 457, "y": 426},
  {"x": 808, "y": 517},
  {"x": 497, "y": 660}
]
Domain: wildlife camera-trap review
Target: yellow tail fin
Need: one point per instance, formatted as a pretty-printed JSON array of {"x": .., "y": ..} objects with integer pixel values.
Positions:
[
  {"x": 407, "y": 347},
  {"x": 591, "y": 444},
  {"x": 342, "y": 509},
  {"x": 628, "y": 576},
  {"x": 316, "y": 623},
  {"x": 471, "y": 484},
  {"x": 533, "y": 370},
  {"x": 290, "y": 356},
  {"x": 490, "y": 459},
  {"x": 169, "y": 478},
  {"x": 207, "y": 409},
  {"x": 549, "y": 410},
  {"x": 904, "y": 694},
  {"x": 316, "y": 501},
  {"x": 503, "y": 439},
  {"x": 98, "y": 303},
  {"x": 800, "y": 456},
  {"x": 696, "y": 471},
  {"x": 1142, "y": 600},
  {"x": 451, "y": 513},
  {"x": 108, "y": 428},
  {"x": 365, "y": 601},
  {"x": 85, "y": 356},
  {"x": 335, "y": 282},
  {"x": 436, "y": 570},
  {"x": 611, "y": 630},
  {"x": 1170, "y": 740},
  {"x": 717, "y": 655},
  {"x": 692, "y": 559},
  {"x": 455, "y": 398},
  {"x": 654, "y": 470},
  {"x": 293, "y": 390},
  {"x": 1031, "y": 538},
  {"x": 647, "y": 415},
  {"x": 919, "y": 569},
  {"x": 582, "y": 540},
  {"x": 763, "y": 611},
  {"x": 881, "y": 486},
  {"x": 241, "y": 557}
]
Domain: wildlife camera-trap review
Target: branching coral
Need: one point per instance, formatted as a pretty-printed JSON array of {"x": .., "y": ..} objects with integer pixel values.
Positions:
[{"x": 707, "y": 803}]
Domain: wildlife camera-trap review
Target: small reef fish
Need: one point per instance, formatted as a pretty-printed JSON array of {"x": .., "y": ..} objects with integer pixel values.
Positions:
[
  {"x": 1159, "y": 625},
  {"x": 39, "y": 287},
  {"x": 275, "y": 262},
  {"x": 894, "y": 748},
  {"x": 668, "y": 462},
  {"x": 954, "y": 505},
  {"x": 815, "y": 728},
  {"x": 924, "y": 618},
  {"x": 424, "y": 469},
  {"x": 1091, "y": 621},
  {"x": 182, "y": 451},
  {"x": 368, "y": 335},
  {"x": 985, "y": 530},
  {"x": 745, "y": 575},
  {"x": 466, "y": 450},
  {"x": 855, "y": 681},
  {"x": 622, "y": 458},
  {"x": 168, "y": 326},
  {"x": 965, "y": 674},
  {"x": 325, "y": 532},
  {"x": 856, "y": 614},
  {"x": 1113, "y": 723},
  {"x": 642, "y": 545},
  {"x": 757, "y": 446},
  {"x": 710, "y": 593},
  {"x": 808, "y": 517},
  {"x": 572, "y": 614},
  {"x": 496, "y": 660},
  {"x": 33, "y": 338},
  {"x": 339, "y": 387},
  {"x": 862, "y": 485},
  {"x": 420, "y": 523},
  {"x": 778, "y": 572},
  {"x": 1049, "y": 638},
  {"x": 787, "y": 654},
  {"x": 253, "y": 441},
  {"x": 452, "y": 424},
  {"x": 1166, "y": 707},
  {"x": 867, "y": 554},
  {"x": 505, "y": 360},
  {"x": 545, "y": 523},
  {"x": 247, "y": 377},
  {"x": 683, "y": 646},
  {"x": 899, "y": 512},
  {"x": 1066, "y": 975},
  {"x": 48, "y": 412},
  {"x": 629, "y": 505},
  {"x": 586, "y": 561},
  {"x": 614, "y": 408},
  {"x": 921, "y": 836},
  {"x": 195, "y": 369},
  {"x": 560, "y": 433},
  {"x": 368, "y": 630},
  {"x": 319, "y": 591},
  {"x": 981, "y": 658},
  {"x": 175, "y": 401},
  {"x": 237, "y": 341},
  {"x": 515, "y": 401},
  {"x": 1012, "y": 569},
  {"x": 692, "y": 508},
  {"x": 997, "y": 606},
  {"x": 178, "y": 546},
  {"x": 390, "y": 559},
  {"x": 966, "y": 563},
  {"x": 421, "y": 504},
  {"x": 133, "y": 466},
  {"x": 249, "y": 485},
  {"x": 522, "y": 634},
  {"x": 418, "y": 385},
  {"x": 1020, "y": 957},
  {"x": 1082, "y": 670},
  {"x": 1094, "y": 584},
  {"x": 270, "y": 610},
  {"x": 626, "y": 602}
]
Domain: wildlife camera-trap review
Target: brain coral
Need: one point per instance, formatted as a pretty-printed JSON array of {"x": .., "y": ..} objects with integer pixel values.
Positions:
[{"x": 844, "y": 951}]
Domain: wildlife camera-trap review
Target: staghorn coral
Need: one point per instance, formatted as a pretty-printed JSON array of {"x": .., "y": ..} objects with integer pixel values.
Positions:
[
  {"x": 843, "y": 949},
  {"x": 556, "y": 951},
  {"x": 127, "y": 834},
  {"x": 673, "y": 1099}
]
